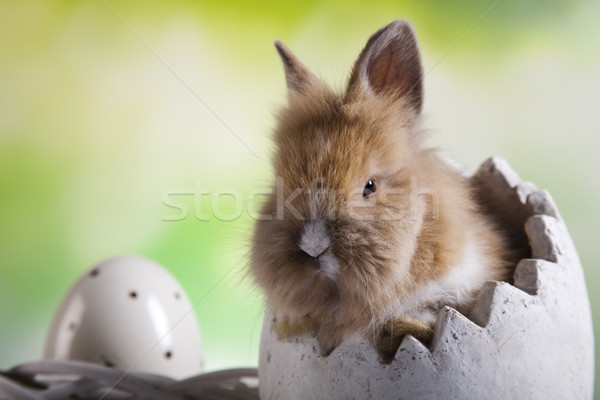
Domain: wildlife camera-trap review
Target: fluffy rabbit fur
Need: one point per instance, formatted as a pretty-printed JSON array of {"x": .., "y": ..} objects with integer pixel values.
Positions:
[{"x": 366, "y": 226}]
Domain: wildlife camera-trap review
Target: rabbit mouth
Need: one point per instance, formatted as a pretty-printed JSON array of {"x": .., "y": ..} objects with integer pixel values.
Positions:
[{"x": 325, "y": 264}]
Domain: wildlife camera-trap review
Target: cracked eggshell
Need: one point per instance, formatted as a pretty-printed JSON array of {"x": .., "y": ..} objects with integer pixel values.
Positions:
[
  {"x": 529, "y": 340},
  {"x": 131, "y": 314}
]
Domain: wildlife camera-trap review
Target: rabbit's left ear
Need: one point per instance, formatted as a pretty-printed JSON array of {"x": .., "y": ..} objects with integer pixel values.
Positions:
[
  {"x": 297, "y": 76},
  {"x": 390, "y": 64}
]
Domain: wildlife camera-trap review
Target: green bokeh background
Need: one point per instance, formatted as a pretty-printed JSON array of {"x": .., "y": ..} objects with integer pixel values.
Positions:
[{"x": 106, "y": 106}]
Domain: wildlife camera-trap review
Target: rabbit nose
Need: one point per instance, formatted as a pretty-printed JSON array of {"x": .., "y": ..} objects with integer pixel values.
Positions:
[
  {"x": 315, "y": 238},
  {"x": 314, "y": 251}
]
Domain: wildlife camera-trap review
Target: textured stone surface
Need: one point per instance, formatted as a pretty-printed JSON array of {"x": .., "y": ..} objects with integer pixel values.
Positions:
[{"x": 530, "y": 340}]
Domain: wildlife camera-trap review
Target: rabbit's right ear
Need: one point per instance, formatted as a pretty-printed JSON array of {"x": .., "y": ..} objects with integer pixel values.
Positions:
[
  {"x": 390, "y": 64},
  {"x": 297, "y": 76}
]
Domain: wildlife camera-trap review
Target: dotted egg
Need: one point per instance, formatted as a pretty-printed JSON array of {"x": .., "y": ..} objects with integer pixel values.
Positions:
[{"x": 130, "y": 314}]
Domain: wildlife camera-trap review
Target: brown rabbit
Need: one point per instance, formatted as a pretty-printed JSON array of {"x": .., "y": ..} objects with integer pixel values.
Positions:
[{"x": 366, "y": 231}]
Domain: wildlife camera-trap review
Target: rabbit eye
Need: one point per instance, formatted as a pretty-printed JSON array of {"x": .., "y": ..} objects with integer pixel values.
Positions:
[{"x": 370, "y": 189}]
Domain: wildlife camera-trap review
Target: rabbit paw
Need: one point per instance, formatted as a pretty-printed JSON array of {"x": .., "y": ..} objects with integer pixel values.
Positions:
[
  {"x": 395, "y": 330},
  {"x": 286, "y": 328}
]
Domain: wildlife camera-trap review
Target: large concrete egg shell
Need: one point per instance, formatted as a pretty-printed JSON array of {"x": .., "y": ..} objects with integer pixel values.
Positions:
[{"x": 532, "y": 339}]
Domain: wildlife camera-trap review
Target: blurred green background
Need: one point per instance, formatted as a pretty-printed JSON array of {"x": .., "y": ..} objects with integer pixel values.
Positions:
[{"x": 107, "y": 106}]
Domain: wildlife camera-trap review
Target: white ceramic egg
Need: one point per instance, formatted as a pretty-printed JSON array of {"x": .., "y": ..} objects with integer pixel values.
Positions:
[{"x": 131, "y": 314}]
